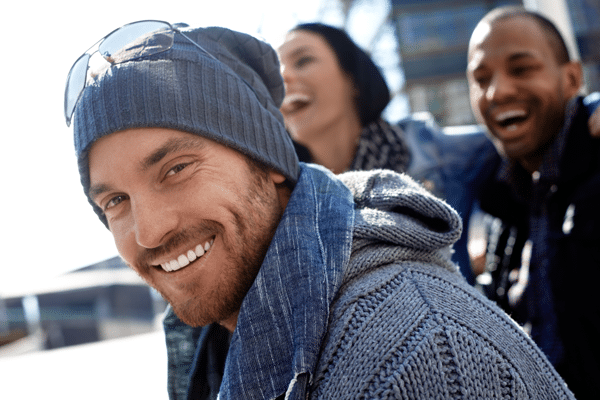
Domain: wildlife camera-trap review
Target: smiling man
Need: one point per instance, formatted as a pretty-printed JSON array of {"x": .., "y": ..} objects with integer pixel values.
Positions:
[
  {"x": 329, "y": 287},
  {"x": 171, "y": 205},
  {"x": 544, "y": 189}
]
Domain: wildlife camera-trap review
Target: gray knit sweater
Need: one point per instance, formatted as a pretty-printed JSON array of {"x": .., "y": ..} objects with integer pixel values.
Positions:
[
  {"x": 357, "y": 299},
  {"x": 406, "y": 325}
]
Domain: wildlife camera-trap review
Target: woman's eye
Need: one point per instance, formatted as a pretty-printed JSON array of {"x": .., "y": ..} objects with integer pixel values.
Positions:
[{"x": 302, "y": 61}]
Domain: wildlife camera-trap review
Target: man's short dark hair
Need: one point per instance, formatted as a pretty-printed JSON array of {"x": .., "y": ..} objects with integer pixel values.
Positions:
[{"x": 555, "y": 39}]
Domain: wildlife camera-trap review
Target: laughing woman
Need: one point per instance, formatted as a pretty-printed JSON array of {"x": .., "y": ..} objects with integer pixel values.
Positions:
[{"x": 334, "y": 99}]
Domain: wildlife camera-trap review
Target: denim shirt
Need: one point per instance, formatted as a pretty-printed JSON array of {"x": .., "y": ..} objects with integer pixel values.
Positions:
[{"x": 452, "y": 163}]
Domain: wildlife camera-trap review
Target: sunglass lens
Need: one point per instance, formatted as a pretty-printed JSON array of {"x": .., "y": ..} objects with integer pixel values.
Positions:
[
  {"x": 126, "y": 43},
  {"x": 132, "y": 36},
  {"x": 75, "y": 84}
]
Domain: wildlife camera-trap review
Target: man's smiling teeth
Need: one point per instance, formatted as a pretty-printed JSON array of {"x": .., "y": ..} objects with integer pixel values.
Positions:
[
  {"x": 185, "y": 259},
  {"x": 504, "y": 116}
]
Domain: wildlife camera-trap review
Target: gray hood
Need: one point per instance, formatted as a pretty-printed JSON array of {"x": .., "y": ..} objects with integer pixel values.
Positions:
[{"x": 401, "y": 219}]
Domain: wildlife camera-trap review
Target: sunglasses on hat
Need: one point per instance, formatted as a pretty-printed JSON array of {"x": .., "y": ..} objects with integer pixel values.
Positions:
[{"x": 112, "y": 48}]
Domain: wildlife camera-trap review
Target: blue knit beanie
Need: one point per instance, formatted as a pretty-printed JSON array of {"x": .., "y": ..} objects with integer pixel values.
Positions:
[{"x": 233, "y": 98}]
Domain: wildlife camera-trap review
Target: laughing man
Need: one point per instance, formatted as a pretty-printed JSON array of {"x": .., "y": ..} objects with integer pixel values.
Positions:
[{"x": 543, "y": 190}]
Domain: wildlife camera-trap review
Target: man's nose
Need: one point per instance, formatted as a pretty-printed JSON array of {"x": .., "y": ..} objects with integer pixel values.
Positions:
[
  {"x": 153, "y": 221},
  {"x": 502, "y": 87}
]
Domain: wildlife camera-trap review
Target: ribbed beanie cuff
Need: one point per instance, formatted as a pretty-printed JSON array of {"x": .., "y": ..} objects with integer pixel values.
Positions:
[{"x": 233, "y": 100}]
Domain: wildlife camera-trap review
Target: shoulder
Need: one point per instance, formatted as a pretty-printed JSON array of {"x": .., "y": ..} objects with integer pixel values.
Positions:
[{"x": 412, "y": 329}]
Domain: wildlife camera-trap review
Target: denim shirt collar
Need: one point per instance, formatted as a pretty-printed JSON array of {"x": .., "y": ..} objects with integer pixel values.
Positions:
[{"x": 284, "y": 316}]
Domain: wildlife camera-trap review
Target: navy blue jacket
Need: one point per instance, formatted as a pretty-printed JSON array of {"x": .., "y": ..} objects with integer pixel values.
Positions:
[{"x": 571, "y": 204}]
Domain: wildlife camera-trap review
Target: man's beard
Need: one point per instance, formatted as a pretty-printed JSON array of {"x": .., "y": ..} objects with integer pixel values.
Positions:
[{"x": 246, "y": 248}]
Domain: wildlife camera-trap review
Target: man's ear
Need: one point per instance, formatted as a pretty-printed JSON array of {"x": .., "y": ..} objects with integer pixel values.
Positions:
[
  {"x": 573, "y": 78},
  {"x": 276, "y": 177},
  {"x": 283, "y": 191}
]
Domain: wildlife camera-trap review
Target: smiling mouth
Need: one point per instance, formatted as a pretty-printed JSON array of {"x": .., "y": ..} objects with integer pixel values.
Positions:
[
  {"x": 294, "y": 102},
  {"x": 510, "y": 119},
  {"x": 183, "y": 260}
]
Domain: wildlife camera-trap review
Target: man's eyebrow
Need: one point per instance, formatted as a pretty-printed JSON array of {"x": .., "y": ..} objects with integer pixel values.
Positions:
[
  {"x": 477, "y": 65},
  {"x": 520, "y": 55},
  {"x": 97, "y": 190},
  {"x": 172, "y": 145}
]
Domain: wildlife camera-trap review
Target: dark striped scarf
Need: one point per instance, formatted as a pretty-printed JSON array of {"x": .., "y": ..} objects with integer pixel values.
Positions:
[{"x": 381, "y": 146}]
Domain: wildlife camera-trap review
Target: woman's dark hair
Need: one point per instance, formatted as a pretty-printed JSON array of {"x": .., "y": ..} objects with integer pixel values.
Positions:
[{"x": 373, "y": 93}]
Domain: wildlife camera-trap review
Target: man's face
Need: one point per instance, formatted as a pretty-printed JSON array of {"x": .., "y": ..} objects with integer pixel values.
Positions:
[
  {"x": 189, "y": 215},
  {"x": 517, "y": 88}
]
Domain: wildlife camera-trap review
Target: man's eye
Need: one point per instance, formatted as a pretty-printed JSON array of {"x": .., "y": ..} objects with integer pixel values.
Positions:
[
  {"x": 523, "y": 69},
  {"x": 114, "y": 201},
  {"x": 482, "y": 80},
  {"x": 177, "y": 169}
]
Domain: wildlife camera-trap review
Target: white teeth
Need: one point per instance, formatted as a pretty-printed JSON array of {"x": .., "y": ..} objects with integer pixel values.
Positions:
[
  {"x": 293, "y": 97},
  {"x": 185, "y": 259},
  {"x": 199, "y": 250},
  {"x": 510, "y": 114}
]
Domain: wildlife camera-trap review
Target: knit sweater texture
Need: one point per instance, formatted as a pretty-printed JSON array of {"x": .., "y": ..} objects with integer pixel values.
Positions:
[{"x": 407, "y": 326}]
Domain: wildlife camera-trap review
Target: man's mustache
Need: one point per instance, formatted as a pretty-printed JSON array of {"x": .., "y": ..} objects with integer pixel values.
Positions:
[{"x": 191, "y": 237}]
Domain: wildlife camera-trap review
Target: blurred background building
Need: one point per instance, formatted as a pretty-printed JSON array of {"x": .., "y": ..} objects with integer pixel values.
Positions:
[
  {"x": 585, "y": 20},
  {"x": 103, "y": 301}
]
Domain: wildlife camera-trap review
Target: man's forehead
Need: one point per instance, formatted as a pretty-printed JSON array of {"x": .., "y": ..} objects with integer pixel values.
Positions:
[
  {"x": 152, "y": 135},
  {"x": 511, "y": 37},
  {"x": 480, "y": 32}
]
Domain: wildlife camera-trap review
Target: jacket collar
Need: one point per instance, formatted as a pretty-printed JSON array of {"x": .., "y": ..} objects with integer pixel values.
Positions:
[{"x": 284, "y": 316}]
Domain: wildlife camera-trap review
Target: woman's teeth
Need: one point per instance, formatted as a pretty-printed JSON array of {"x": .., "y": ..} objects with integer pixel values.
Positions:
[
  {"x": 185, "y": 259},
  {"x": 294, "y": 102}
]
